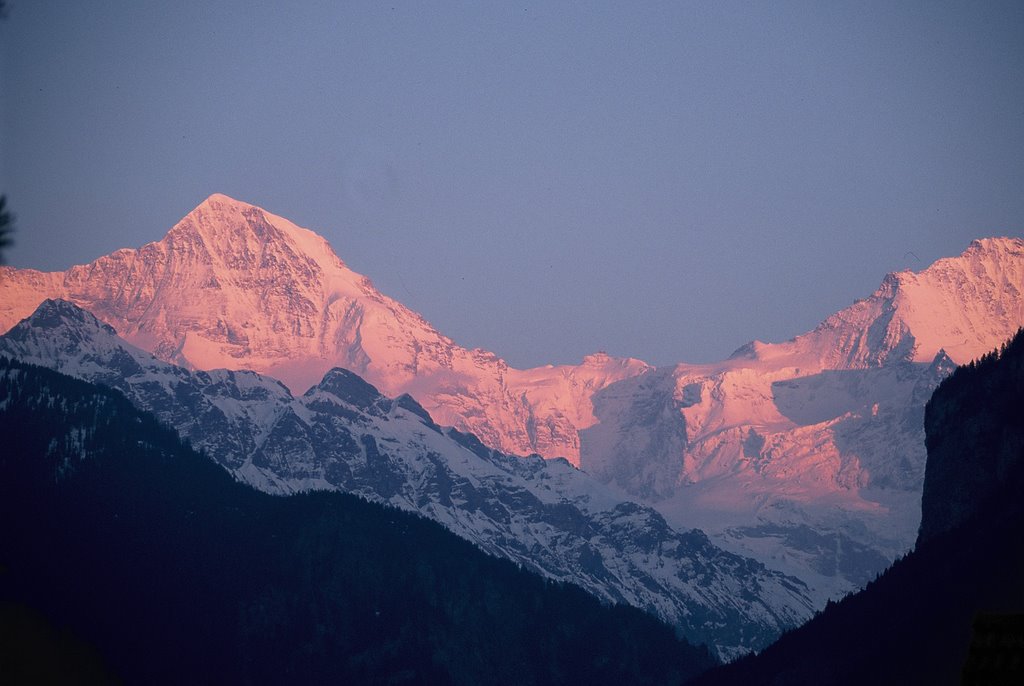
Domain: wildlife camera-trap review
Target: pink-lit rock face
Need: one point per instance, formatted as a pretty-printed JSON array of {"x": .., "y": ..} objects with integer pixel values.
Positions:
[{"x": 233, "y": 286}]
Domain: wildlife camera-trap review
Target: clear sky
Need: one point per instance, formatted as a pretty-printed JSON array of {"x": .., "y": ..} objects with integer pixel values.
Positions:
[{"x": 660, "y": 180}]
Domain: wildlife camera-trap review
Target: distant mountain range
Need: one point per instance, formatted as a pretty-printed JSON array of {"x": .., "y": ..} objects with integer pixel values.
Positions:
[{"x": 805, "y": 455}]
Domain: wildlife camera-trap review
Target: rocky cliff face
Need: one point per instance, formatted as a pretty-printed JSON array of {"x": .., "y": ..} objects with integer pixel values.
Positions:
[{"x": 975, "y": 436}]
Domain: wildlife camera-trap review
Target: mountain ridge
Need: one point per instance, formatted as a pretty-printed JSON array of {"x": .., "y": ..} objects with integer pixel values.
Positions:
[
  {"x": 343, "y": 434},
  {"x": 286, "y": 282},
  {"x": 821, "y": 431},
  {"x": 170, "y": 571},
  {"x": 217, "y": 292}
]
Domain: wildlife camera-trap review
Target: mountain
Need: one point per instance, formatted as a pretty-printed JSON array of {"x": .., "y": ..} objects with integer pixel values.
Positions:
[
  {"x": 806, "y": 455},
  {"x": 964, "y": 306},
  {"x": 150, "y": 564},
  {"x": 913, "y": 625},
  {"x": 809, "y": 454},
  {"x": 342, "y": 434},
  {"x": 234, "y": 286}
]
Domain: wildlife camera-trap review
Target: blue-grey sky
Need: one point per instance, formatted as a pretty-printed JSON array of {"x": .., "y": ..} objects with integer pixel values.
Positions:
[{"x": 660, "y": 180}]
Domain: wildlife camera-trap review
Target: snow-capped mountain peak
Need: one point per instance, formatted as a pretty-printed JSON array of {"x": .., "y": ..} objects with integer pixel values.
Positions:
[
  {"x": 70, "y": 330},
  {"x": 347, "y": 387},
  {"x": 240, "y": 235},
  {"x": 965, "y": 305},
  {"x": 54, "y": 310},
  {"x": 234, "y": 286}
]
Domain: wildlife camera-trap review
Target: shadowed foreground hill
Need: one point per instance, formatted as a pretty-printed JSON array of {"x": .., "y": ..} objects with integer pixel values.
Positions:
[
  {"x": 129, "y": 541},
  {"x": 913, "y": 624}
]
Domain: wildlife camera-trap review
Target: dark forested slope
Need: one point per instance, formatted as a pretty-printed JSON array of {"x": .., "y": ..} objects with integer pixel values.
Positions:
[{"x": 125, "y": 540}]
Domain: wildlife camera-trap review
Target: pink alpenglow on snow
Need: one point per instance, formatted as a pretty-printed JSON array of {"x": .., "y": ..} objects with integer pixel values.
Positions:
[{"x": 234, "y": 286}]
